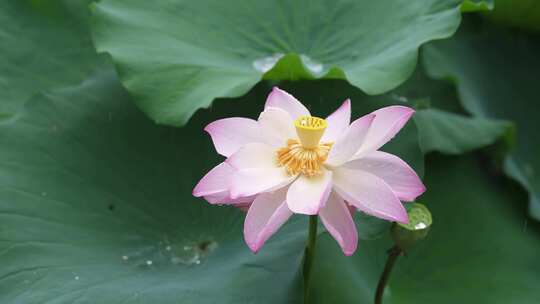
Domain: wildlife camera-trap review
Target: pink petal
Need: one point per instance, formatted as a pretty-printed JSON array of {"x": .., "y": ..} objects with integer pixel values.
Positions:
[
  {"x": 369, "y": 193},
  {"x": 307, "y": 195},
  {"x": 214, "y": 182},
  {"x": 337, "y": 122},
  {"x": 218, "y": 198},
  {"x": 256, "y": 171},
  {"x": 387, "y": 123},
  {"x": 253, "y": 155},
  {"x": 404, "y": 182},
  {"x": 230, "y": 134},
  {"x": 214, "y": 186},
  {"x": 285, "y": 101},
  {"x": 265, "y": 216},
  {"x": 350, "y": 141},
  {"x": 337, "y": 219},
  {"x": 247, "y": 182},
  {"x": 224, "y": 198},
  {"x": 276, "y": 127}
]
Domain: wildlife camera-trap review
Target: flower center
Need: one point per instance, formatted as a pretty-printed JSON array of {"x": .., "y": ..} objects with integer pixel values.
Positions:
[{"x": 306, "y": 155}]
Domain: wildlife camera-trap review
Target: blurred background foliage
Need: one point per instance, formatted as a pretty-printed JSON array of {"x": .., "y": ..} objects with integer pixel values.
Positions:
[{"x": 95, "y": 197}]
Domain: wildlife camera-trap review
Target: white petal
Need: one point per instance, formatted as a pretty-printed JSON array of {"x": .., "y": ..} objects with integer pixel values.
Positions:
[
  {"x": 349, "y": 143},
  {"x": 285, "y": 101},
  {"x": 404, "y": 182},
  {"x": 215, "y": 181},
  {"x": 224, "y": 198},
  {"x": 387, "y": 123},
  {"x": 254, "y": 155},
  {"x": 337, "y": 219},
  {"x": 337, "y": 122},
  {"x": 369, "y": 193},
  {"x": 230, "y": 134},
  {"x": 247, "y": 182},
  {"x": 307, "y": 195},
  {"x": 276, "y": 127},
  {"x": 265, "y": 216}
]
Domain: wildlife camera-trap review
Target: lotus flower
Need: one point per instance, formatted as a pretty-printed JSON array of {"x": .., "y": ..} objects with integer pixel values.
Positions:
[{"x": 290, "y": 162}]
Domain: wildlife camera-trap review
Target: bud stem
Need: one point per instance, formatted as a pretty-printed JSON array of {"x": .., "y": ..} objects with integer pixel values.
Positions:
[
  {"x": 309, "y": 254},
  {"x": 393, "y": 255}
]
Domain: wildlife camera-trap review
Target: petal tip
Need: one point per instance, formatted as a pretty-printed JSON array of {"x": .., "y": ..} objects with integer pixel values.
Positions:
[
  {"x": 404, "y": 111},
  {"x": 413, "y": 194},
  {"x": 197, "y": 191},
  {"x": 421, "y": 190},
  {"x": 208, "y": 128},
  {"x": 403, "y": 220},
  {"x": 254, "y": 247},
  {"x": 211, "y": 127},
  {"x": 350, "y": 248},
  {"x": 346, "y": 106},
  {"x": 275, "y": 90},
  {"x": 349, "y": 252},
  {"x": 407, "y": 111}
]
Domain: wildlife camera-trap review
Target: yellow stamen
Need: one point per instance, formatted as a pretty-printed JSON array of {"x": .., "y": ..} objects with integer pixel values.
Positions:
[{"x": 307, "y": 155}]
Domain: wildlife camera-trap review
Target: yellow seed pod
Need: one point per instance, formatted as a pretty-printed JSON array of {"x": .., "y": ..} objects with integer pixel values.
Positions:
[{"x": 310, "y": 130}]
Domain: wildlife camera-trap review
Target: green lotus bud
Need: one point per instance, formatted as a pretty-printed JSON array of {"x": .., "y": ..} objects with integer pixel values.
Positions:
[{"x": 406, "y": 235}]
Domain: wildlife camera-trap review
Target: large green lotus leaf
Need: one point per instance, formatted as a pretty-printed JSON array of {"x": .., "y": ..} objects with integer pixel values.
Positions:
[
  {"x": 442, "y": 123},
  {"x": 177, "y": 56},
  {"x": 96, "y": 207},
  {"x": 44, "y": 45},
  {"x": 455, "y": 134},
  {"x": 481, "y": 249},
  {"x": 490, "y": 85}
]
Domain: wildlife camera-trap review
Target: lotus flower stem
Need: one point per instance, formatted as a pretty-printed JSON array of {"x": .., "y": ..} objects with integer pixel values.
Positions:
[
  {"x": 309, "y": 254},
  {"x": 393, "y": 255}
]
